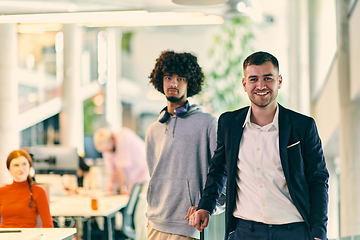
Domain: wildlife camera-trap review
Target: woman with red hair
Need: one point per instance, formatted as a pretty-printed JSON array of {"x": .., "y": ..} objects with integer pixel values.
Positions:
[{"x": 22, "y": 201}]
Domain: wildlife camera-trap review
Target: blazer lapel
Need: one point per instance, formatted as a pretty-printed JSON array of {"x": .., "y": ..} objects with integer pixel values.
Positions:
[
  {"x": 236, "y": 134},
  {"x": 285, "y": 127}
]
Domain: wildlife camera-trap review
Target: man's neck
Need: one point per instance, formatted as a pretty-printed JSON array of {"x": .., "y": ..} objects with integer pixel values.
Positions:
[
  {"x": 171, "y": 106},
  {"x": 263, "y": 115}
]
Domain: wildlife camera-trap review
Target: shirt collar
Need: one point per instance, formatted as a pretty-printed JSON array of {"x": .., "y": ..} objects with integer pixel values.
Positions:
[
  {"x": 247, "y": 119},
  {"x": 276, "y": 118},
  {"x": 274, "y": 123}
]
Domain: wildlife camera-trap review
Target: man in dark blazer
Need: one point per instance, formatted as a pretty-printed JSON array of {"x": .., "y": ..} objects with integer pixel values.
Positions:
[{"x": 272, "y": 161}]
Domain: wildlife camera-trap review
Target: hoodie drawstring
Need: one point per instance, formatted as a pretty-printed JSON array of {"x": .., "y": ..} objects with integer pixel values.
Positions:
[
  {"x": 193, "y": 109},
  {"x": 174, "y": 126}
]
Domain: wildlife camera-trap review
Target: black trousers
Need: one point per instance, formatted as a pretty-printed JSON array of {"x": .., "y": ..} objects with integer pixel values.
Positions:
[{"x": 249, "y": 230}]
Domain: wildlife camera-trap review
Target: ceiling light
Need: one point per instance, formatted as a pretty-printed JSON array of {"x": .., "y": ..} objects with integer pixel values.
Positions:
[
  {"x": 199, "y": 2},
  {"x": 76, "y": 17},
  {"x": 163, "y": 19},
  {"x": 117, "y": 18},
  {"x": 40, "y": 28}
]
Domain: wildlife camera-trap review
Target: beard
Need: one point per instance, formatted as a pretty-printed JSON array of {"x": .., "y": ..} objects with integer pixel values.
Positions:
[
  {"x": 175, "y": 99},
  {"x": 264, "y": 104}
]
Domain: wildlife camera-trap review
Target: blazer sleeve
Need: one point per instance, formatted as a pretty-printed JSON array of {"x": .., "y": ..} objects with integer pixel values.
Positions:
[
  {"x": 317, "y": 177},
  {"x": 212, "y": 135},
  {"x": 216, "y": 176},
  {"x": 42, "y": 204}
]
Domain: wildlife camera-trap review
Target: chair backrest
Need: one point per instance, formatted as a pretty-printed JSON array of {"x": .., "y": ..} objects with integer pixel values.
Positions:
[
  {"x": 45, "y": 186},
  {"x": 128, "y": 226}
]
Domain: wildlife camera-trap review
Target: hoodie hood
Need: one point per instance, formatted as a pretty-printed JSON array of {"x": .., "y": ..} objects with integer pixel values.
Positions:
[{"x": 186, "y": 110}]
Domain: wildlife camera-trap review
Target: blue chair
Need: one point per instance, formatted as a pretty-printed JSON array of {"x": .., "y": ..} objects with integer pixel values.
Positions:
[{"x": 128, "y": 226}]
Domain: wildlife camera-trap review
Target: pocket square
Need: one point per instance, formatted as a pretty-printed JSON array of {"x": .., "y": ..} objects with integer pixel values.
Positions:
[{"x": 293, "y": 144}]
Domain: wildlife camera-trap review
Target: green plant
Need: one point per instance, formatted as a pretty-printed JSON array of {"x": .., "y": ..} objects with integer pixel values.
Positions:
[
  {"x": 89, "y": 116},
  {"x": 222, "y": 90},
  {"x": 126, "y": 41}
]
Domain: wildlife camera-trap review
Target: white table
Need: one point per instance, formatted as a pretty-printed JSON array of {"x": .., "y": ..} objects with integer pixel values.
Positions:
[
  {"x": 77, "y": 205},
  {"x": 35, "y": 233},
  {"x": 80, "y": 206}
]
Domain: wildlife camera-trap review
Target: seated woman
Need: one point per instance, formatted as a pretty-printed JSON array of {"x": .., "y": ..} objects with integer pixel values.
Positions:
[{"x": 22, "y": 201}]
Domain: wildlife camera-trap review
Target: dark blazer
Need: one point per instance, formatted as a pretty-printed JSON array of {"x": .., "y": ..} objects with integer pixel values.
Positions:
[{"x": 301, "y": 157}]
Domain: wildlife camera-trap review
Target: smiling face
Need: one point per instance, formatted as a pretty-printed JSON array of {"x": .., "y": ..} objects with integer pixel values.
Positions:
[
  {"x": 175, "y": 88},
  {"x": 261, "y": 83},
  {"x": 19, "y": 168}
]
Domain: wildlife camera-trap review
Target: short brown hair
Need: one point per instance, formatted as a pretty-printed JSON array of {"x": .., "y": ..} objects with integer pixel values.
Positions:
[{"x": 259, "y": 58}]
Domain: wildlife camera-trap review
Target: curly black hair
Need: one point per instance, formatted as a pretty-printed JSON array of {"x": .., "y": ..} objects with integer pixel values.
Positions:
[{"x": 182, "y": 64}]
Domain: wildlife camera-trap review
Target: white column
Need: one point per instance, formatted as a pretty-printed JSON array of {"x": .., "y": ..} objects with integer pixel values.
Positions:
[
  {"x": 349, "y": 132},
  {"x": 299, "y": 77},
  {"x": 9, "y": 106},
  {"x": 313, "y": 56},
  {"x": 113, "y": 107},
  {"x": 72, "y": 114}
]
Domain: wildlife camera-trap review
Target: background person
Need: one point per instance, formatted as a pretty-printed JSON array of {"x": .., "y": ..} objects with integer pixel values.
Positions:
[
  {"x": 22, "y": 201},
  {"x": 178, "y": 146},
  {"x": 277, "y": 181},
  {"x": 124, "y": 157}
]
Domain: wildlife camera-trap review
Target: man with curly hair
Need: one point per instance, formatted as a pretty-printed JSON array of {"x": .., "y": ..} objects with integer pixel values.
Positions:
[{"x": 179, "y": 147}]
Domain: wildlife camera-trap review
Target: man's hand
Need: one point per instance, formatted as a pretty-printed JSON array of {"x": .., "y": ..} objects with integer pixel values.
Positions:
[
  {"x": 191, "y": 210},
  {"x": 199, "y": 219}
]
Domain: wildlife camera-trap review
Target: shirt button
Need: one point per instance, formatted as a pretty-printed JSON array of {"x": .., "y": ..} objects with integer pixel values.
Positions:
[
  {"x": 258, "y": 149},
  {"x": 270, "y": 225},
  {"x": 263, "y": 204},
  {"x": 260, "y": 186}
]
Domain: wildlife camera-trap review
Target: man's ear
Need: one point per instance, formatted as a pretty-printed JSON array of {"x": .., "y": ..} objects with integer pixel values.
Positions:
[
  {"x": 280, "y": 81},
  {"x": 244, "y": 83}
]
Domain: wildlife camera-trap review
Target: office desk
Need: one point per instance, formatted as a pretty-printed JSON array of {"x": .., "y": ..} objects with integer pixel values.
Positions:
[
  {"x": 78, "y": 206},
  {"x": 34, "y": 233}
]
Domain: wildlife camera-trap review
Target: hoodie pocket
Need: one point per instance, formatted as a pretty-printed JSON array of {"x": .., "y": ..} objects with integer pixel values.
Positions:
[{"x": 168, "y": 199}]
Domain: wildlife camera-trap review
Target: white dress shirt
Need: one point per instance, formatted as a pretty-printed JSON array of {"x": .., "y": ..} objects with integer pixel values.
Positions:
[{"x": 263, "y": 195}]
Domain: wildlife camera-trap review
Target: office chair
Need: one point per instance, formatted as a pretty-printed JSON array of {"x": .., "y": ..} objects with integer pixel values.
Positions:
[
  {"x": 128, "y": 226},
  {"x": 46, "y": 187}
]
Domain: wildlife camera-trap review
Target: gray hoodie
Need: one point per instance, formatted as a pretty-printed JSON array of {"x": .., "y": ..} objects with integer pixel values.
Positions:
[{"x": 178, "y": 154}]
